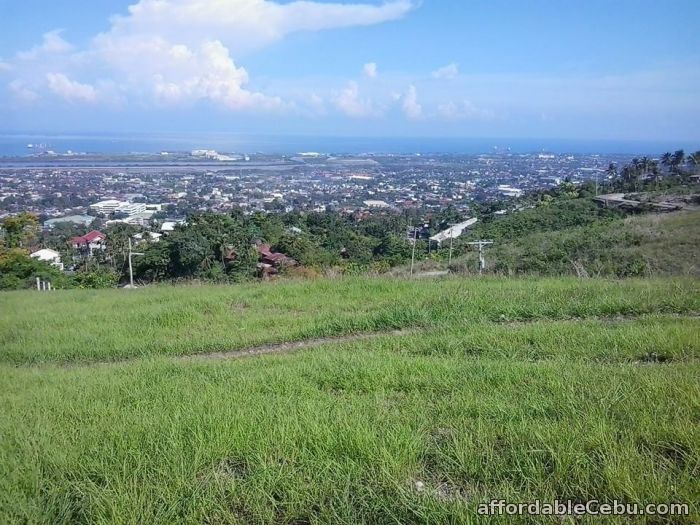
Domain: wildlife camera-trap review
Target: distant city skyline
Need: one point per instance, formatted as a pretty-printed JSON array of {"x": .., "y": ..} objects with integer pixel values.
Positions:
[{"x": 594, "y": 70}]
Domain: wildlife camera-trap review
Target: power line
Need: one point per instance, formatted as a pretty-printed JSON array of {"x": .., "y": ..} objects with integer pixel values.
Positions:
[
  {"x": 131, "y": 268},
  {"x": 413, "y": 252},
  {"x": 482, "y": 259}
]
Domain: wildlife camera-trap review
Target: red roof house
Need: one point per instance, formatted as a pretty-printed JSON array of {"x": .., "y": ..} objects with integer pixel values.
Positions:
[
  {"x": 91, "y": 241},
  {"x": 267, "y": 256}
]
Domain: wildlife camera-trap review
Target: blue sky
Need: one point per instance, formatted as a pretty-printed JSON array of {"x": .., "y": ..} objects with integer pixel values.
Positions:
[{"x": 594, "y": 69}]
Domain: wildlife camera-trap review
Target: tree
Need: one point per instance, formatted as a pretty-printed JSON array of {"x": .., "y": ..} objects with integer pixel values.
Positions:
[
  {"x": 448, "y": 216},
  {"x": 666, "y": 159},
  {"x": 654, "y": 170},
  {"x": 628, "y": 174},
  {"x": 190, "y": 252},
  {"x": 611, "y": 172},
  {"x": 210, "y": 246},
  {"x": 677, "y": 160},
  {"x": 20, "y": 231},
  {"x": 118, "y": 245},
  {"x": 269, "y": 227},
  {"x": 98, "y": 278},
  {"x": 305, "y": 250},
  {"x": 393, "y": 248},
  {"x": 359, "y": 248},
  {"x": 693, "y": 160},
  {"x": 154, "y": 265},
  {"x": 19, "y": 270}
]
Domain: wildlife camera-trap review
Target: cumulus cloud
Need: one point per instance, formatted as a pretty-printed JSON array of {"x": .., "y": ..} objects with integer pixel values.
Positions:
[
  {"x": 351, "y": 104},
  {"x": 243, "y": 25},
  {"x": 448, "y": 72},
  {"x": 370, "y": 70},
  {"x": 71, "y": 90},
  {"x": 21, "y": 92},
  {"x": 464, "y": 110},
  {"x": 52, "y": 44},
  {"x": 410, "y": 106},
  {"x": 181, "y": 51},
  {"x": 315, "y": 104},
  {"x": 178, "y": 74},
  {"x": 169, "y": 44}
]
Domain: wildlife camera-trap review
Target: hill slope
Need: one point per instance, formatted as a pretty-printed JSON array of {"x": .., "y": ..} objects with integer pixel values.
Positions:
[
  {"x": 515, "y": 389},
  {"x": 641, "y": 245}
]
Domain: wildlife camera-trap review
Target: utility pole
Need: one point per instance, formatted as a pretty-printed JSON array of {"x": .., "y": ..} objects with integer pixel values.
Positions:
[
  {"x": 482, "y": 260},
  {"x": 413, "y": 252},
  {"x": 596, "y": 183},
  {"x": 131, "y": 268},
  {"x": 449, "y": 260}
]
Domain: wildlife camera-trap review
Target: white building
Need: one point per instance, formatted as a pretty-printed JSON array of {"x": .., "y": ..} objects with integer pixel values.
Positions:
[
  {"x": 110, "y": 206},
  {"x": 131, "y": 208},
  {"x": 148, "y": 236},
  {"x": 79, "y": 220},
  {"x": 376, "y": 204},
  {"x": 169, "y": 226},
  {"x": 106, "y": 207},
  {"x": 453, "y": 232},
  {"x": 50, "y": 256},
  {"x": 509, "y": 191}
]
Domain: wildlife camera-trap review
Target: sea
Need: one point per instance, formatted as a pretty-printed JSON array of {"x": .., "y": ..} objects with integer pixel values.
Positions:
[{"x": 26, "y": 144}]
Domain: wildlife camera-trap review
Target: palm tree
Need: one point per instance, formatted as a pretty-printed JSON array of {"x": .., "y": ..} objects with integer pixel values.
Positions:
[
  {"x": 612, "y": 177},
  {"x": 637, "y": 170},
  {"x": 677, "y": 159},
  {"x": 666, "y": 159},
  {"x": 627, "y": 173},
  {"x": 656, "y": 174},
  {"x": 693, "y": 160}
]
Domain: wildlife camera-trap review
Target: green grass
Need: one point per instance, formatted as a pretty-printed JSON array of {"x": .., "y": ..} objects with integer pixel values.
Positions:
[
  {"x": 514, "y": 389},
  {"x": 76, "y": 325},
  {"x": 650, "y": 245}
]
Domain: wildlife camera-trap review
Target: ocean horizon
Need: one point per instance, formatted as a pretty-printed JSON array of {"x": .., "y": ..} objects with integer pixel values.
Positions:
[{"x": 18, "y": 144}]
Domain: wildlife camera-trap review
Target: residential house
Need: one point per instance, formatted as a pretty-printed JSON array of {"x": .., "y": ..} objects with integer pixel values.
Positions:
[
  {"x": 90, "y": 242},
  {"x": 271, "y": 262},
  {"x": 50, "y": 256}
]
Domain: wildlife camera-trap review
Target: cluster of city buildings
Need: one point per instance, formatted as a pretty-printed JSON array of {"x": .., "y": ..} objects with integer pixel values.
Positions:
[{"x": 141, "y": 191}]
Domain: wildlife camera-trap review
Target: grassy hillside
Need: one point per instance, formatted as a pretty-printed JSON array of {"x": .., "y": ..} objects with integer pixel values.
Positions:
[
  {"x": 514, "y": 389},
  {"x": 642, "y": 245},
  {"x": 82, "y": 325}
]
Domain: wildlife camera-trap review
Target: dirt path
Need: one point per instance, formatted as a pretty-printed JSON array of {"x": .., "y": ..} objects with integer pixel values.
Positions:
[{"x": 277, "y": 348}]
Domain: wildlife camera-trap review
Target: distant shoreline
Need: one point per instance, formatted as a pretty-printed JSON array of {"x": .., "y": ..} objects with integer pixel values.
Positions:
[{"x": 16, "y": 144}]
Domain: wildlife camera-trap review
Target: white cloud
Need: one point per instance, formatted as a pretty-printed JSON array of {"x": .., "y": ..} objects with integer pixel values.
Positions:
[
  {"x": 5, "y": 66},
  {"x": 71, "y": 90},
  {"x": 370, "y": 70},
  {"x": 464, "y": 110},
  {"x": 243, "y": 25},
  {"x": 21, "y": 92},
  {"x": 410, "y": 106},
  {"x": 448, "y": 72},
  {"x": 351, "y": 104},
  {"x": 52, "y": 44},
  {"x": 181, "y": 51},
  {"x": 180, "y": 75},
  {"x": 316, "y": 104},
  {"x": 182, "y": 48}
]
